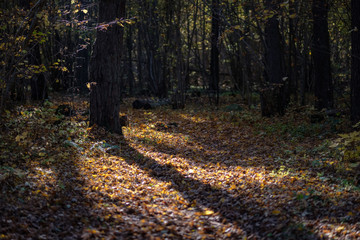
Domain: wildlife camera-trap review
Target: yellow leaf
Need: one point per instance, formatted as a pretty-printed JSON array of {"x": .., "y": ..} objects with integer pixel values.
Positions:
[
  {"x": 339, "y": 229},
  {"x": 208, "y": 212},
  {"x": 276, "y": 212},
  {"x": 292, "y": 16},
  {"x": 94, "y": 231},
  {"x": 45, "y": 195},
  {"x": 232, "y": 187},
  {"x": 42, "y": 154},
  {"x": 18, "y": 138}
]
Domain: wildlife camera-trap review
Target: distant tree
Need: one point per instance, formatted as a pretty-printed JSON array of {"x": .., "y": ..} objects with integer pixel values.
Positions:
[
  {"x": 151, "y": 37},
  {"x": 129, "y": 63},
  {"x": 105, "y": 67},
  {"x": 21, "y": 35},
  {"x": 321, "y": 55},
  {"x": 178, "y": 98},
  {"x": 214, "y": 60},
  {"x": 355, "y": 67},
  {"x": 81, "y": 49},
  {"x": 38, "y": 81},
  {"x": 273, "y": 93}
]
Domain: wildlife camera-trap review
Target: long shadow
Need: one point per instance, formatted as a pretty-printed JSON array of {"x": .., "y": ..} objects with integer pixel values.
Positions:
[
  {"x": 244, "y": 149},
  {"x": 49, "y": 203},
  {"x": 189, "y": 150},
  {"x": 336, "y": 212},
  {"x": 253, "y": 218},
  {"x": 52, "y": 211}
]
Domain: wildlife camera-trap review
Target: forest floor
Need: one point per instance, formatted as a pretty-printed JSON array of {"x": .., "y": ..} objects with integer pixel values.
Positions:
[{"x": 197, "y": 173}]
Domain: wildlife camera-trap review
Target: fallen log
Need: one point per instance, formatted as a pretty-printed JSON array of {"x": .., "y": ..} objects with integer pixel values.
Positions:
[
  {"x": 141, "y": 104},
  {"x": 148, "y": 104}
]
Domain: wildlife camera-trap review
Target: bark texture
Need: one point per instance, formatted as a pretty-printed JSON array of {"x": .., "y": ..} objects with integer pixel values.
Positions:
[
  {"x": 273, "y": 94},
  {"x": 105, "y": 67},
  {"x": 355, "y": 67},
  {"x": 214, "y": 64},
  {"x": 321, "y": 56}
]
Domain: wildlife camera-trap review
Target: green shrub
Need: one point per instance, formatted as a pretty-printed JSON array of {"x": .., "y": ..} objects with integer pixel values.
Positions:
[{"x": 348, "y": 146}]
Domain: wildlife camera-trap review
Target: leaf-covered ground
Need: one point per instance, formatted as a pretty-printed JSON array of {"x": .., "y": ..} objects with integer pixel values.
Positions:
[{"x": 198, "y": 173}]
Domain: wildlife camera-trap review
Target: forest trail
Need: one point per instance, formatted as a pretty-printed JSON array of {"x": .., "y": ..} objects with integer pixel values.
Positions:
[{"x": 198, "y": 173}]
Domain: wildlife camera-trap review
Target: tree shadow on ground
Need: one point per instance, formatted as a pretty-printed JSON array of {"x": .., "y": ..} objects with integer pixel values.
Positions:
[
  {"x": 47, "y": 200},
  {"x": 206, "y": 140},
  {"x": 222, "y": 141},
  {"x": 253, "y": 218},
  {"x": 56, "y": 209}
]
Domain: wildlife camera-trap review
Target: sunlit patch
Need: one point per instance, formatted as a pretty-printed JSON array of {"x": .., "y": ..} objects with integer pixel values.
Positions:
[
  {"x": 193, "y": 118},
  {"x": 43, "y": 181},
  {"x": 172, "y": 171}
]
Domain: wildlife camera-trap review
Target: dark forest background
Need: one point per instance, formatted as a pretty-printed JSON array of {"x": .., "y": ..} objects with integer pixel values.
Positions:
[{"x": 271, "y": 53}]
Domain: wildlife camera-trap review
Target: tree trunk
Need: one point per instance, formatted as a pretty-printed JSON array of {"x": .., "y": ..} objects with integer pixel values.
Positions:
[
  {"x": 130, "y": 74},
  {"x": 105, "y": 67},
  {"x": 179, "y": 95},
  {"x": 38, "y": 82},
  {"x": 273, "y": 99},
  {"x": 355, "y": 66},
  {"x": 292, "y": 64},
  {"x": 82, "y": 58},
  {"x": 150, "y": 28},
  {"x": 81, "y": 69},
  {"x": 139, "y": 60},
  {"x": 214, "y": 60},
  {"x": 321, "y": 56}
]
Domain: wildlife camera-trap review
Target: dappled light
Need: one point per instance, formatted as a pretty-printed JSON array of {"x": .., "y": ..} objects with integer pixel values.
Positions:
[
  {"x": 166, "y": 180},
  {"x": 201, "y": 119}
]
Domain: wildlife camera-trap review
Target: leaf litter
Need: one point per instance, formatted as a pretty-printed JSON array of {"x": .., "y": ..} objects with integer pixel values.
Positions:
[{"x": 184, "y": 174}]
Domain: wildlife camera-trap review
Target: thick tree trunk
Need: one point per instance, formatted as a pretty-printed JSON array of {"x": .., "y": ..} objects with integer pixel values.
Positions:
[
  {"x": 273, "y": 99},
  {"x": 321, "y": 56},
  {"x": 355, "y": 67},
  {"x": 105, "y": 67}
]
